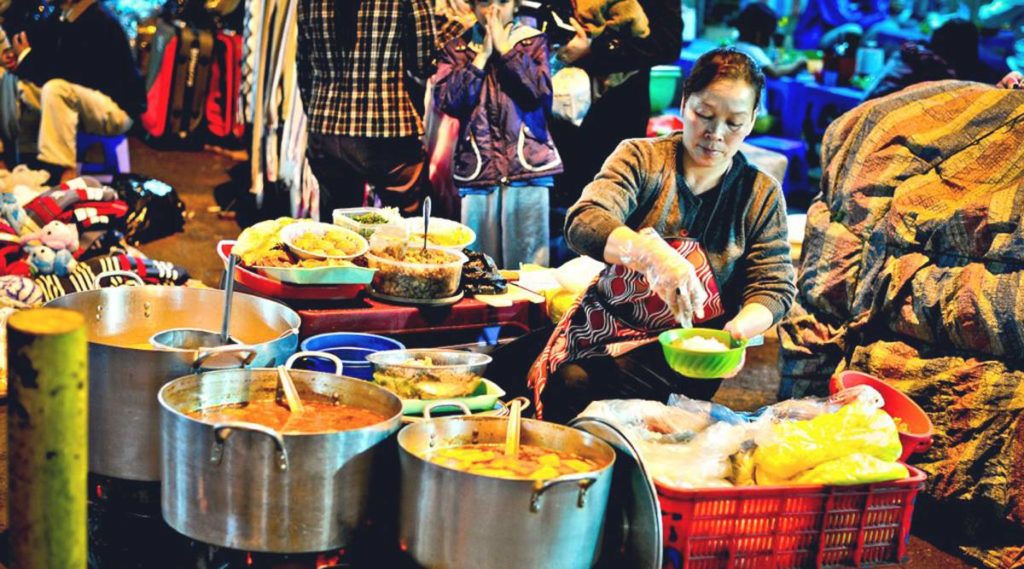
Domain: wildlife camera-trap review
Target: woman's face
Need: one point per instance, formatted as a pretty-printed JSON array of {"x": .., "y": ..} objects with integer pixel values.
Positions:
[
  {"x": 716, "y": 120},
  {"x": 505, "y": 9}
]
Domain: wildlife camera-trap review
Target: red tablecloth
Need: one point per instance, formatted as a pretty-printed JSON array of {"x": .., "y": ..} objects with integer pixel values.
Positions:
[{"x": 368, "y": 315}]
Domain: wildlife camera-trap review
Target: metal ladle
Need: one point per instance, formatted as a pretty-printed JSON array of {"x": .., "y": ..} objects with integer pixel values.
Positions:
[
  {"x": 426, "y": 221},
  {"x": 198, "y": 338}
]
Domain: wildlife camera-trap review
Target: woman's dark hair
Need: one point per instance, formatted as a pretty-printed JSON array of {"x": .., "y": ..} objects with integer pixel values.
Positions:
[{"x": 724, "y": 63}]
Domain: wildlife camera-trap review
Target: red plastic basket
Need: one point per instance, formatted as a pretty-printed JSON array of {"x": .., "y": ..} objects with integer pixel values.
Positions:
[{"x": 788, "y": 526}]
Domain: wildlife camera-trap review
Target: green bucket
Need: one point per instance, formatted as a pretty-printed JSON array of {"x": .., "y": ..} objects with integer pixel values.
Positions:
[
  {"x": 663, "y": 86},
  {"x": 700, "y": 364}
]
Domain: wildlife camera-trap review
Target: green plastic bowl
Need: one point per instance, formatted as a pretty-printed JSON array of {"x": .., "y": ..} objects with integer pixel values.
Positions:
[
  {"x": 663, "y": 87},
  {"x": 701, "y": 365}
]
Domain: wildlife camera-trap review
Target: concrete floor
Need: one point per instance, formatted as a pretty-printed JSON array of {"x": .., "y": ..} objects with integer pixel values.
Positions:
[{"x": 195, "y": 174}]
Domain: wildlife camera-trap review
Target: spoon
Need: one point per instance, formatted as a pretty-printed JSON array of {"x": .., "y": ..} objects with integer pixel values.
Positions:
[
  {"x": 291, "y": 394},
  {"x": 426, "y": 220},
  {"x": 512, "y": 429},
  {"x": 198, "y": 338}
]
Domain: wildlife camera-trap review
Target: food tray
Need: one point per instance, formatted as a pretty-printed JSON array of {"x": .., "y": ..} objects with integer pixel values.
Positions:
[
  {"x": 482, "y": 402},
  {"x": 319, "y": 275},
  {"x": 788, "y": 526},
  {"x": 266, "y": 286},
  {"x": 446, "y": 301}
]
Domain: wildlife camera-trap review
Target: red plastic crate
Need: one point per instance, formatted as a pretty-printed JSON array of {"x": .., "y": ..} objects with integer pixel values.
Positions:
[{"x": 789, "y": 526}]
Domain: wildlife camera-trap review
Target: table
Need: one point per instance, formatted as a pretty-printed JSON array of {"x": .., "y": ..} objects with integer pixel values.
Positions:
[
  {"x": 468, "y": 321},
  {"x": 817, "y": 104}
]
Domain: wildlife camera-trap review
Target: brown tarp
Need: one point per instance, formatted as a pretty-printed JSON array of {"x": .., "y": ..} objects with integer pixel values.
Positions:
[{"x": 912, "y": 269}]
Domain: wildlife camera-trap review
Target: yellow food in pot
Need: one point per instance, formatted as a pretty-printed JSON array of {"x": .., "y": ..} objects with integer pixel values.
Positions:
[{"x": 531, "y": 463}]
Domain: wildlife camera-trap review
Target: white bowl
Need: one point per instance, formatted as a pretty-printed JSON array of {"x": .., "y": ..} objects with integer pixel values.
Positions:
[
  {"x": 441, "y": 233},
  {"x": 292, "y": 232}
]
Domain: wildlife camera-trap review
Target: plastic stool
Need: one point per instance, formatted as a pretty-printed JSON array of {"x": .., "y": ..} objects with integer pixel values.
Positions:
[
  {"x": 115, "y": 154},
  {"x": 795, "y": 152}
]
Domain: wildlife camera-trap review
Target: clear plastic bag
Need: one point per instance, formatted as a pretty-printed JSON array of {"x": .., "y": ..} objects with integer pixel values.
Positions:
[
  {"x": 650, "y": 420},
  {"x": 571, "y": 93}
]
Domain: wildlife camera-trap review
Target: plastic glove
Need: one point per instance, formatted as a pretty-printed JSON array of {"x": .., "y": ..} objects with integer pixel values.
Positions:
[{"x": 669, "y": 274}]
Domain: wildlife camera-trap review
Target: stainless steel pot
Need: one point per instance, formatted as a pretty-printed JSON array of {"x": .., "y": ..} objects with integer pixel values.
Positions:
[
  {"x": 249, "y": 487},
  {"x": 449, "y": 518},
  {"x": 124, "y": 378}
]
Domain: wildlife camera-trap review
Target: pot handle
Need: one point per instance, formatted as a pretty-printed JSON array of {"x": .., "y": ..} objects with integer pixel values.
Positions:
[
  {"x": 542, "y": 486},
  {"x": 126, "y": 274},
  {"x": 524, "y": 403},
  {"x": 205, "y": 353},
  {"x": 220, "y": 249},
  {"x": 223, "y": 431},
  {"x": 331, "y": 357},
  {"x": 429, "y": 407}
]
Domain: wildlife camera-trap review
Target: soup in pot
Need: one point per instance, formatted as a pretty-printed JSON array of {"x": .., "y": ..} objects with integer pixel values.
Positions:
[
  {"x": 532, "y": 463},
  {"x": 318, "y": 417}
]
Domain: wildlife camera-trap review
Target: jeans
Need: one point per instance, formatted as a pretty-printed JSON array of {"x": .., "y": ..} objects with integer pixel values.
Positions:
[{"x": 511, "y": 223}]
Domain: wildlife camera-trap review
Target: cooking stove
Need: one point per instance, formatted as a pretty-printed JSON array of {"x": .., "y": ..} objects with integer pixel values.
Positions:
[{"x": 127, "y": 531}]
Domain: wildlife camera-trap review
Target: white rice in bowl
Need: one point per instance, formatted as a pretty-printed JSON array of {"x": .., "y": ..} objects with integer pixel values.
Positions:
[{"x": 702, "y": 344}]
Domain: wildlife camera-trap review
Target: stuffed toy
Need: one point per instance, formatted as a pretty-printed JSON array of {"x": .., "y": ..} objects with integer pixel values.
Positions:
[
  {"x": 13, "y": 213},
  {"x": 19, "y": 292},
  {"x": 46, "y": 261},
  {"x": 56, "y": 235},
  {"x": 21, "y": 175},
  {"x": 623, "y": 16}
]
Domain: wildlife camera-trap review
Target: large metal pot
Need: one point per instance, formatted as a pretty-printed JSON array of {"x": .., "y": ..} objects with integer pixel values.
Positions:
[
  {"x": 124, "y": 430},
  {"x": 449, "y": 518},
  {"x": 249, "y": 487}
]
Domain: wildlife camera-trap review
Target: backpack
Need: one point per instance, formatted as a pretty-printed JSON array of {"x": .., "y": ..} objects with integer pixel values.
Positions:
[{"x": 225, "y": 83}]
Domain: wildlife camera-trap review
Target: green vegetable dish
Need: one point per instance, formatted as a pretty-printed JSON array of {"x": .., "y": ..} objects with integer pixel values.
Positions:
[{"x": 369, "y": 218}]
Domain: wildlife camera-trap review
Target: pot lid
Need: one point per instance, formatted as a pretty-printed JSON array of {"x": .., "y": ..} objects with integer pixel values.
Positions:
[{"x": 633, "y": 532}]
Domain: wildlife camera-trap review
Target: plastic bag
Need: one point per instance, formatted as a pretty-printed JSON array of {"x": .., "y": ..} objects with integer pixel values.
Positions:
[
  {"x": 155, "y": 210},
  {"x": 650, "y": 420},
  {"x": 856, "y": 468},
  {"x": 811, "y": 407},
  {"x": 789, "y": 448},
  {"x": 713, "y": 459},
  {"x": 570, "y": 88}
]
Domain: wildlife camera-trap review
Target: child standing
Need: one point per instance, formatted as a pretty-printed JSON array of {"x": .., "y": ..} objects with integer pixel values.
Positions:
[{"x": 495, "y": 79}]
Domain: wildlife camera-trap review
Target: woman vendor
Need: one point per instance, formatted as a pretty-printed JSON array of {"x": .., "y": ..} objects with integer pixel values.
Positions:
[{"x": 691, "y": 231}]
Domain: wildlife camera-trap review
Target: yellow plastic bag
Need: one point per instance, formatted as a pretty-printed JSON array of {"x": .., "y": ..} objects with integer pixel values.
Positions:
[
  {"x": 789, "y": 448},
  {"x": 856, "y": 468}
]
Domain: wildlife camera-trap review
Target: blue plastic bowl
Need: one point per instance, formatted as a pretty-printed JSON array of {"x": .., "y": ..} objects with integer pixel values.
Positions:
[{"x": 350, "y": 347}]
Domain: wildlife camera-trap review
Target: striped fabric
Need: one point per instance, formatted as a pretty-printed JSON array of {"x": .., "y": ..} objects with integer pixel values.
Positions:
[
  {"x": 84, "y": 276},
  {"x": 360, "y": 91},
  {"x": 913, "y": 270}
]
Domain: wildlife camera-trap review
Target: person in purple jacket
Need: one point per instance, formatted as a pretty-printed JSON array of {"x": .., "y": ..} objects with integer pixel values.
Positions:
[{"x": 495, "y": 79}]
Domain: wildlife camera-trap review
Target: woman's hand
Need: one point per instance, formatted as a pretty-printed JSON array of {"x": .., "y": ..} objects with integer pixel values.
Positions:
[
  {"x": 499, "y": 34},
  {"x": 578, "y": 47},
  {"x": 669, "y": 274},
  {"x": 753, "y": 320}
]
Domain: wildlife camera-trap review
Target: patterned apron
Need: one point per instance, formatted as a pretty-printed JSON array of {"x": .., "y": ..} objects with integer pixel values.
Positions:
[{"x": 617, "y": 313}]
